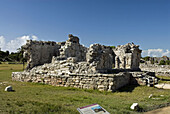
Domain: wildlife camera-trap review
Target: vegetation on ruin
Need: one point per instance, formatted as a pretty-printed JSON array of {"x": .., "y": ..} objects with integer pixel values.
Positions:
[{"x": 39, "y": 98}]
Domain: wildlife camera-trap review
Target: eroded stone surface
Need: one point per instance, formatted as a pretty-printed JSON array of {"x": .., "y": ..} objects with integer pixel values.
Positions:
[{"x": 127, "y": 56}]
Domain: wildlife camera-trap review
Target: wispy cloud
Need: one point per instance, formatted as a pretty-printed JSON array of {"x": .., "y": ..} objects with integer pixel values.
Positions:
[
  {"x": 13, "y": 45},
  {"x": 155, "y": 53}
]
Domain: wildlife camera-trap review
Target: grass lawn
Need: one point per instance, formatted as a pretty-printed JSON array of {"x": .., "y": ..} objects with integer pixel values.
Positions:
[
  {"x": 164, "y": 79},
  {"x": 38, "y": 98}
]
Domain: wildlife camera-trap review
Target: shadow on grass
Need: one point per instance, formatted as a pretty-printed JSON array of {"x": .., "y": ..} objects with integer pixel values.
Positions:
[
  {"x": 128, "y": 88},
  {"x": 165, "y": 79},
  {"x": 10, "y": 91}
]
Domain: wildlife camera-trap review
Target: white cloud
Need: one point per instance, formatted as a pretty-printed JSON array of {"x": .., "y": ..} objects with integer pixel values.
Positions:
[
  {"x": 34, "y": 37},
  {"x": 2, "y": 42},
  {"x": 155, "y": 53},
  {"x": 13, "y": 45}
]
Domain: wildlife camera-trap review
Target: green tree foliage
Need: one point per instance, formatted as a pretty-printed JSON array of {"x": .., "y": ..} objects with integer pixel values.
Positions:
[
  {"x": 167, "y": 62},
  {"x": 13, "y": 57},
  {"x": 146, "y": 58},
  {"x": 113, "y": 47},
  {"x": 162, "y": 62}
]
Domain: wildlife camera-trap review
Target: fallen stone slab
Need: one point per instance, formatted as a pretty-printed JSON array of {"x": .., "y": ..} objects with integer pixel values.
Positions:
[
  {"x": 135, "y": 106},
  {"x": 8, "y": 88},
  {"x": 163, "y": 86}
]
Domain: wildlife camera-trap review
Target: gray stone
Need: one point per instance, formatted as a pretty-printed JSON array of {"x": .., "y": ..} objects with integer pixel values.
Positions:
[
  {"x": 8, "y": 88},
  {"x": 150, "y": 96},
  {"x": 127, "y": 56},
  {"x": 134, "y": 106}
]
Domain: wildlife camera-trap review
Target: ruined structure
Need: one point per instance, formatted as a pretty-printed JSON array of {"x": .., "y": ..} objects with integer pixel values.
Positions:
[
  {"x": 160, "y": 70},
  {"x": 127, "y": 56},
  {"x": 70, "y": 64}
]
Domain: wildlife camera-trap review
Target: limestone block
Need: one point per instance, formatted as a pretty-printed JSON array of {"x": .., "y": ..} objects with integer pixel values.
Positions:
[
  {"x": 102, "y": 88},
  {"x": 8, "y": 88},
  {"x": 134, "y": 106}
]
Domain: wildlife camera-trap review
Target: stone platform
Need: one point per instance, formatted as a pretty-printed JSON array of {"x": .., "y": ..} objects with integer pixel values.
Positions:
[{"x": 102, "y": 82}]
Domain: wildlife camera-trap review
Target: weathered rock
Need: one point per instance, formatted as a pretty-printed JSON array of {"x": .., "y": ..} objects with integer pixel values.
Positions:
[
  {"x": 150, "y": 96},
  {"x": 101, "y": 56},
  {"x": 163, "y": 86},
  {"x": 8, "y": 88},
  {"x": 127, "y": 56},
  {"x": 144, "y": 78},
  {"x": 134, "y": 106}
]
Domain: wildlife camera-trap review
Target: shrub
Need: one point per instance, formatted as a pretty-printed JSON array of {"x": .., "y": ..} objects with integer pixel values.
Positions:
[
  {"x": 146, "y": 58},
  {"x": 113, "y": 47},
  {"x": 162, "y": 62},
  {"x": 167, "y": 62}
]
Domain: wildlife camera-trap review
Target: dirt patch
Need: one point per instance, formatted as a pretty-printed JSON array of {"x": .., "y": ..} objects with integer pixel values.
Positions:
[
  {"x": 165, "y": 110},
  {"x": 157, "y": 107}
]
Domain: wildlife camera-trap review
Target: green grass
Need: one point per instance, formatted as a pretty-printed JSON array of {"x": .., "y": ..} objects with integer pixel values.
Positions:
[
  {"x": 164, "y": 79},
  {"x": 39, "y": 98}
]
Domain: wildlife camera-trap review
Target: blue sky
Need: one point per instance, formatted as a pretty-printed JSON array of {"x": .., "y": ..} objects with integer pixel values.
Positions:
[{"x": 108, "y": 22}]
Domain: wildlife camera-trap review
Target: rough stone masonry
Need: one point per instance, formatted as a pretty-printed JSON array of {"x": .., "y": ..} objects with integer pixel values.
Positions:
[{"x": 71, "y": 64}]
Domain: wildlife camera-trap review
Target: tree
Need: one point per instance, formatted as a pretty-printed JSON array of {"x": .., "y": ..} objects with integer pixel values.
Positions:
[
  {"x": 162, "y": 62},
  {"x": 7, "y": 53},
  {"x": 13, "y": 57},
  {"x": 113, "y": 47},
  {"x": 167, "y": 62},
  {"x": 146, "y": 58}
]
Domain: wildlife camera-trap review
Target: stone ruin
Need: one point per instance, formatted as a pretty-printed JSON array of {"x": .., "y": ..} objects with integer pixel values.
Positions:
[
  {"x": 127, "y": 56},
  {"x": 152, "y": 65},
  {"x": 71, "y": 64}
]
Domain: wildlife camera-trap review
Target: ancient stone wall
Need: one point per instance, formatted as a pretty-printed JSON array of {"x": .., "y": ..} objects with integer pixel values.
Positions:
[
  {"x": 73, "y": 65},
  {"x": 161, "y": 70},
  {"x": 102, "y": 82},
  {"x": 40, "y": 52},
  {"x": 143, "y": 78},
  {"x": 72, "y": 48},
  {"x": 100, "y": 55},
  {"x": 127, "y": 56}
]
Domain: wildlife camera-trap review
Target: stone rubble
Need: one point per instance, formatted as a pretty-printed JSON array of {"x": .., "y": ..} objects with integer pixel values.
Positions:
[{"x": 144, "y": 78}]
